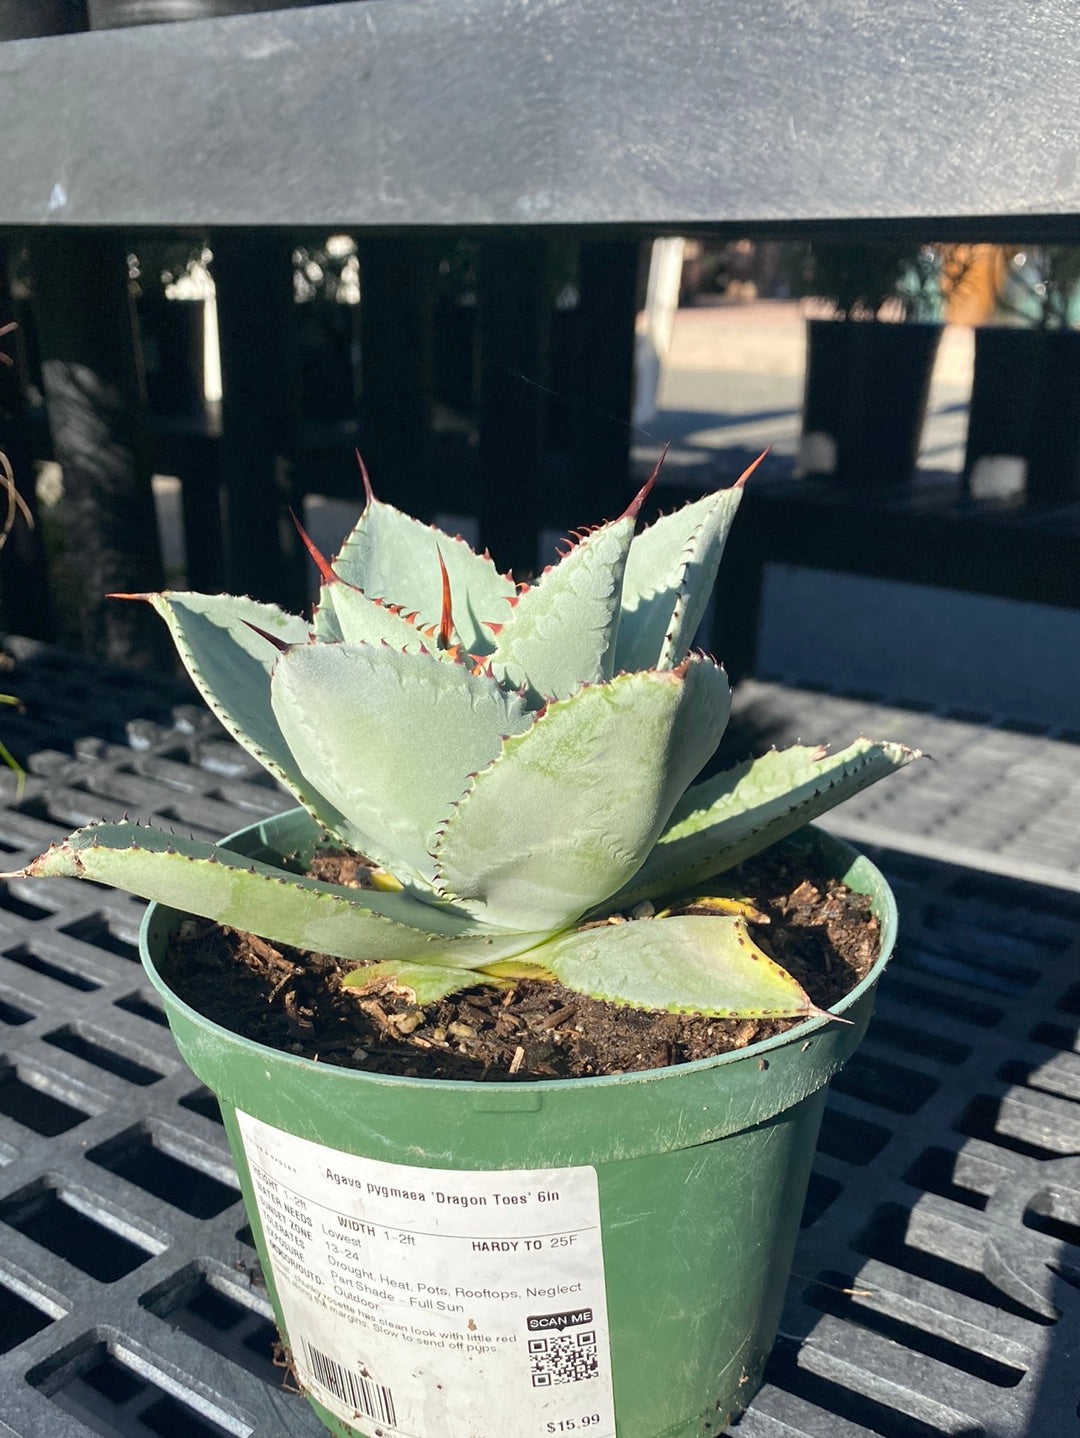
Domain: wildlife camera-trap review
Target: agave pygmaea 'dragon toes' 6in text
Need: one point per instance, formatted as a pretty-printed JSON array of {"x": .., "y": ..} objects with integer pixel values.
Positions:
[{"x": 516, "y": 762}]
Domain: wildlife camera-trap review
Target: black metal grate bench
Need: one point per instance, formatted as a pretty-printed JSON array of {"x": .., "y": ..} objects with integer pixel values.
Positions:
[{"x": 935, "y": 1288}]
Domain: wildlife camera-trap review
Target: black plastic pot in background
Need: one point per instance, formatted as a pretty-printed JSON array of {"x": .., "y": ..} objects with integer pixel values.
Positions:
[
  {"x": 114, "y": 14},
  {"x": 23, "y": 19},
  {"x": 864, "y": 401},
  {"x": 1024, "y": 419}
]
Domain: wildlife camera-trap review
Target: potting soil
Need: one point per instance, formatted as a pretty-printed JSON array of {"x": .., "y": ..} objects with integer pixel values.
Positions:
[{"x": 817, "y": 929}]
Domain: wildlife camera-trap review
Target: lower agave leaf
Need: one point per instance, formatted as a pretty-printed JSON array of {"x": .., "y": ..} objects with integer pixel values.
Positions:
[
  {"x": 684, "y": 964},
  {"x": 520, "y": 968},
  {"x": 718, "y": 903},
  {"x": 287, "y": 908},
  {"x": 734, "y": 815}
]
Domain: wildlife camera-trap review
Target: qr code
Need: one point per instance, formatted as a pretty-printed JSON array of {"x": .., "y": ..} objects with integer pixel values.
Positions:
[{"x": 563, "y": 1358}]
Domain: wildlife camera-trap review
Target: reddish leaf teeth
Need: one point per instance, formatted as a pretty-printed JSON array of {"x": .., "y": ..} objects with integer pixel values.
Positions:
[{"x": 322, "y": 564}]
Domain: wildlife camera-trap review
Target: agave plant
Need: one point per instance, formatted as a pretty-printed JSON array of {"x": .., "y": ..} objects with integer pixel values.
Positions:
[{"x": 515, "y": 763}]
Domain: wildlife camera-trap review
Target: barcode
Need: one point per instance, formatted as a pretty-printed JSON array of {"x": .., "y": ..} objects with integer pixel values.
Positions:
[{"x": 370, "y": 1399}]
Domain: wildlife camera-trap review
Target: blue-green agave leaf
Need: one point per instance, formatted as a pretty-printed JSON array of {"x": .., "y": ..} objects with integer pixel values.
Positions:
[
  {"x": 392, "y": 739},
  {"x": 684, "y": 964},
  {"x": 726, "y": 819},
  {"x": 570, "y": 808},
  {"x": 204, "y": 879},
  {"x": 360, "y": 620},
  {"x": 560, "y": 633},
  {"x": 345, "y": 614},
  {"x": 230, "y": 663},
  {"x": 325, "y": 625},
  {"x": 670, "y": 573},
  {"x": 391, "y": 556}
]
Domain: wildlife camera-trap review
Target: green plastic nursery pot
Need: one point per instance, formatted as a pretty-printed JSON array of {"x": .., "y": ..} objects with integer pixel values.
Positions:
[{"x": 603, "y": 1256}]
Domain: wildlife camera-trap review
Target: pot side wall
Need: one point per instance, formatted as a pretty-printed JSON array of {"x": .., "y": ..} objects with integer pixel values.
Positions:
[{"x": 701, "y": 1169}]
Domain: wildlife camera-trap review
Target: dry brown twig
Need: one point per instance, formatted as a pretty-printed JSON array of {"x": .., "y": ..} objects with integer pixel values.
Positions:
[{"x": 16, "y": 505}]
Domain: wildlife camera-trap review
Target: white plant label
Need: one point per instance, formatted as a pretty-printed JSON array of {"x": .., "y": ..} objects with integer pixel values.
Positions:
[{"x": 429, "y": 1303}]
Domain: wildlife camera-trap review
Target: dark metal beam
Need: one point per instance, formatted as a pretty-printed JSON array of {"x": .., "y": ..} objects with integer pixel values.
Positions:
[
  {"x": 603, "y": 405},
  {"x": 652, "y": 113},
  {"x": 939, "y": 538}
]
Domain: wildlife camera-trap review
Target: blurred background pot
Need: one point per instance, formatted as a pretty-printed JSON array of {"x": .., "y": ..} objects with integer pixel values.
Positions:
[
  {"x": 869, "y": 358},
  {"x": 1024, "y": 420}
]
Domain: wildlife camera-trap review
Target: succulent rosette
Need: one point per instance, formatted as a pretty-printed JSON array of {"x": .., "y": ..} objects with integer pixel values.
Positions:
[{"x": 517, "y": 763}]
